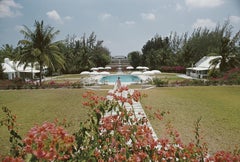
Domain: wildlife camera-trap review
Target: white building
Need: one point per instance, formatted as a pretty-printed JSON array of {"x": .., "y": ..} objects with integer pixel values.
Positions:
[
  {"x": 201, "y": 68},
  {"x": 13, "y": 69}
]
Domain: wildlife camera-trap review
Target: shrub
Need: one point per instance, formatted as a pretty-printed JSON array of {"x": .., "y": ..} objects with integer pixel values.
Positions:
[
  {"x": 48, "y": 142},
  {"x": 159, "y": 83},
  {"x": 173, "y": 69}
]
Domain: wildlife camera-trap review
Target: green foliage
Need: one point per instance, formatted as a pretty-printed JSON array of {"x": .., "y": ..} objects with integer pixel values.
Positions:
[
  {"x": 9, "y": 121},
  {"x": 1, "y": 72},
  {"x": 186, "y": 50},
  {"x": 135, "y": 58},
  {"x": 159, "y": 83},
  {"x": 7, "y": 51},
  {"x": 83, "y": 54},
  {"x": 38, "y": 46},
  {"x": 214, "y": 73},
  {"x": 116, "y": 136},
  {"x": 77, "y": 55}
]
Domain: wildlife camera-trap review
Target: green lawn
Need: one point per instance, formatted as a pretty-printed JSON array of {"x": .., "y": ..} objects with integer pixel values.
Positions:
[
  {"x": 170, "y": 77},
  {"x": 36, "y": 106},
  {"x": 218, "y": 106}
]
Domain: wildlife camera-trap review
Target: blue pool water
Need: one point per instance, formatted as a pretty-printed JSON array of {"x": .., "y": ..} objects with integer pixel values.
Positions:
[{"x": 124, "y": 79}]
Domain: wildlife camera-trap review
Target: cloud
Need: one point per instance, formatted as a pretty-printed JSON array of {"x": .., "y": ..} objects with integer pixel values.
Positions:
[
  {"x": 9, "y": 8},
  {"x": 68, "y": 18},
  {"x": 55, "y": 16},
  {"x": 235, "y": 19},
  {"x": 179, "y": 7},
  {"x": 130, "y": 22},
  {"x": 105, "y": 16},
  {"x": 208, "y": 23},
  {"x": 203, "y": 3},
  {"x": 148, "y": 16}
]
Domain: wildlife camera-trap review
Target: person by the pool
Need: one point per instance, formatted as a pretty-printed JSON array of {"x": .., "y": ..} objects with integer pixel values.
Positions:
[{"x": 118, "y": 84}]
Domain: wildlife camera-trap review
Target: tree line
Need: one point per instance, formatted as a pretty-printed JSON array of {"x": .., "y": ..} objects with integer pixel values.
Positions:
[
  {"x": 71, "y": 55},
  {"x": 185, "y": 50}
]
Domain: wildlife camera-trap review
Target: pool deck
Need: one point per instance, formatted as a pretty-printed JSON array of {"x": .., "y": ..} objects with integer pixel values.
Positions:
[{"x": 136, "y": 106}]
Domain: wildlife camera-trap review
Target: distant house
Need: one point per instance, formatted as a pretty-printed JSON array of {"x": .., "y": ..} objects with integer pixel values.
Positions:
[
  {"x": 201, "y": 68},
  {"x": 15, "y": 70}
]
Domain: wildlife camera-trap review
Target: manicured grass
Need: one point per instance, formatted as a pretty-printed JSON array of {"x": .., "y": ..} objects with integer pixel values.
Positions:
[
  {"x": 170, "y": 77},
  {"x": 36, "y": 106},
  {"x": 69, "y": 76},
  {"x": 218, "y": 106}
]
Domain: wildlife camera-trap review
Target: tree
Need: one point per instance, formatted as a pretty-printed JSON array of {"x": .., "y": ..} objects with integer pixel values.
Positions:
[
  {"x": 135, "y": 58},
  {"x": 101, "y": 56},
  {"x": 7, "y": 51},
  {"x": 1, "y": 71},
  {"x": 38, "y": 46},
  {"x": 158, "y": 52},
  {"x": 84, "y": 53},
  {"x": 228, "y": 49}
]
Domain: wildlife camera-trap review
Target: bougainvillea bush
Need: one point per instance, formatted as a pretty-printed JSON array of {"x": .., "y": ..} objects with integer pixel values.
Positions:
[
  {"x": 112, "y": 132},
  {"x": 230, "y": 77}
]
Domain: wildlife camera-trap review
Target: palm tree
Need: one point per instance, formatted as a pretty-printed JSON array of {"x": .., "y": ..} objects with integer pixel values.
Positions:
[
  {"x": 7, "y": 51},
  {"x": 228, "y": 49},
  {"x": 38, "y": 46},
  {"x": 228, "y": 53}
]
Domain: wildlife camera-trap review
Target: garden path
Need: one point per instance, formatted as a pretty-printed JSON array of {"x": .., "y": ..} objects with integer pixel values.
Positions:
[{"x": 136, "y": 106}]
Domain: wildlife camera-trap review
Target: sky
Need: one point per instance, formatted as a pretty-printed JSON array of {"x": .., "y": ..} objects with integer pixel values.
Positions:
[{"x": 123, "y": 25}]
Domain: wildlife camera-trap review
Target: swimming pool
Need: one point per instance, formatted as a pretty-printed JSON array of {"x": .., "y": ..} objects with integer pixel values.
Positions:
[{"x": 111, "y": 79}]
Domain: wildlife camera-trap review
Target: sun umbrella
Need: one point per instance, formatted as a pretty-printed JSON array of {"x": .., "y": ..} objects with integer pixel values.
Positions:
[
  {"x": 139, "y": 67},
  {"x": 94, "y": 73},
  {"x": 94, "y": 69},
  {"x": 85, "y": 73},
  {"x": 100, "y": 68},
  {"x": 104, "y": 73},
  {"x": 129, "y": 68},
  {"x": 156, "y": 71},
  {"x": 136, "y": 73},
  {"x": 108, "y": 68},
  {"x": 148, "y": 73}
]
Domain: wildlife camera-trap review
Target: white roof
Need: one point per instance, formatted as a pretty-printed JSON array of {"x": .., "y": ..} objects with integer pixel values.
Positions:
[
  {"x": 7, "y": 68},
  {"x": 204, "y": 63},
  {"x": 12, "y": 67}
]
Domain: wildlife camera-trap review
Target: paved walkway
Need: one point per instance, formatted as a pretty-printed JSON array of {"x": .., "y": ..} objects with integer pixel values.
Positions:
[{"x": 137, "y": 107}]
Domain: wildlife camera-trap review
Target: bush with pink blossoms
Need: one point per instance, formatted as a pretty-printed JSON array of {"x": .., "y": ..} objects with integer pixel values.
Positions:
[{"x": 49, "y": 142}]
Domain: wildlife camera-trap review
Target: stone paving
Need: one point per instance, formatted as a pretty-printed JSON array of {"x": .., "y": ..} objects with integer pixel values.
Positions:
[{"x": 136, "y": 106}]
